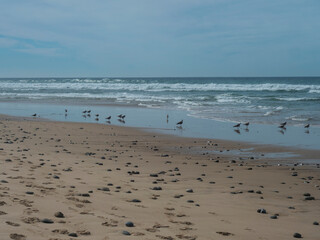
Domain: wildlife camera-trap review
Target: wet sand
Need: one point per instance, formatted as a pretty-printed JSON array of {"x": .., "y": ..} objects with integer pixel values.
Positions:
[{"x": 62, "y": 180}]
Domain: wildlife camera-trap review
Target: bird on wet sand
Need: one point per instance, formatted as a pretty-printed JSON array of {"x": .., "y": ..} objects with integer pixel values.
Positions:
[
  {"x": 179, "y": 123},
  {"x": 246, "y": 124},
  {"x": 237, "y": 125},
  {"x": 283, "y": 124},
  {"x": 307, "y": 125},
  {"x": 108, "y": 118},
  {"x": 34, "y": 115}
]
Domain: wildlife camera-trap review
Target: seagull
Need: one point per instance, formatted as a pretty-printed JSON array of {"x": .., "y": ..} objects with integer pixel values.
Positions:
[
  {"x": 180, "y": 123},
  {"x": 108, "y": 118},
  {"x": 237, "y": 125},
  {"x": 307, "y": 125},
  {"x": 283, "y": 124}
]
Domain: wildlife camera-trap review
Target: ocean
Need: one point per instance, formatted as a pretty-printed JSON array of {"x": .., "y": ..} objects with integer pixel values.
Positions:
[{"x": 257, "y": 100}]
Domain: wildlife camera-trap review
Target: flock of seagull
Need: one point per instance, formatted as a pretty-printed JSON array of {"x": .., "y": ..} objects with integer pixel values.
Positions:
[
  {"x": 121, "y": 117},
  {"x": 87, "y": 113},
  {"x": 281, "y": 126}
]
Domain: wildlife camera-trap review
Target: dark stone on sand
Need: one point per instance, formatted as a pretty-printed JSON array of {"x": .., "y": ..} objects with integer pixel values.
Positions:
[
  {"x": 309, "y": 198},
  {"x": 297, "y": 235},
  {"x": 307, "y": 194},
  {"x": 258, "y": 192},
  {"x": 274, "y": 217},
  {"x": 129, "y": 224},
  {"x": 164, "y": 155},
  {"x": 4, "y": 181},
  {"x": 294, "y": 174},
  {"x": 178, "y": 196},
  {"x": 126, "y": 233},
  {"x": 56, "y": 177},
  {"x": 189, "y": 190},
  {"x": 59, "y": 215},
  {"x": 212, "y": 182},
  {"x": 153, "y": 175},
  {"x": 136, "y": 200},
  {"x": 315, "y": 223},
  {"x": 73, "y": 235},
  {"x": 30, "y": 193},
  {"x": 262, "y": 210},
  {"x": 47, "y": 220},
  {"x": 157, "y": 188},
  {"x": 84, "y": 194},
  {"x": 190, "y": 201}
]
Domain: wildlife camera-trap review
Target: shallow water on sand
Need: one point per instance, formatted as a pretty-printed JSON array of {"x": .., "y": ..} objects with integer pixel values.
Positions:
[{"x": 156, "y": 120}]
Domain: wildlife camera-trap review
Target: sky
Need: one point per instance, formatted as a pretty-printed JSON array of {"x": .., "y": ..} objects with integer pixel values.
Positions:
[{"x": 152, "y": 38}]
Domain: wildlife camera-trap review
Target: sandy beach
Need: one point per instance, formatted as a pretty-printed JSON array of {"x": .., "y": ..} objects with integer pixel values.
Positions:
[{"x": 62, "y": 180}]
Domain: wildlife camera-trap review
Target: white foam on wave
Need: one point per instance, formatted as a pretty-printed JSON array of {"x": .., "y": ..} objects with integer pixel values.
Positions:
[
  {"x": 295, "y": 99},
  {"x": 119, "y": 84}
]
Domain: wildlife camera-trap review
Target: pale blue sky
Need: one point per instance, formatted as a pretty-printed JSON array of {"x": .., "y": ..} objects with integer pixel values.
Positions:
[{"x": 56, "y": 38}]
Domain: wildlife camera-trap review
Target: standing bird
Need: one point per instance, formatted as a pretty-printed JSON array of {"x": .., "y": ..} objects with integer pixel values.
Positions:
[
  {"x": 283, "y": 124},
  {"x": 34, "y": 115},
  {"x": 180, "y": 123},
  {"x": 108, "y": 118},
  {"x": 237, "y": 125},
  {"x": 246, "y": 124},
  {"x": 307, "y": 125}
]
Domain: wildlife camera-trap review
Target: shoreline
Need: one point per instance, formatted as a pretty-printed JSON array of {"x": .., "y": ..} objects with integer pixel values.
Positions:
[
  {"x": 293, "y": 136},
  {"x": 269, "y": 153},
  {"x": 102, "y": 177}
]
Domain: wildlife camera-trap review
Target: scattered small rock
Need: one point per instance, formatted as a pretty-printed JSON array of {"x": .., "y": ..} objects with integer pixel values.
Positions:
[{"x": 297, "y": 235}]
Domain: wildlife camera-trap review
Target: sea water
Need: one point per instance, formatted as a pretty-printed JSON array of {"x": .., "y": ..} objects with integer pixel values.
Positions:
[{"x": 209, "y": 106}]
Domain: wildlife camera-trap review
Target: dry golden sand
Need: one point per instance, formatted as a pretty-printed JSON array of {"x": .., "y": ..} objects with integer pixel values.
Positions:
[{"x": 50, "y": 167}]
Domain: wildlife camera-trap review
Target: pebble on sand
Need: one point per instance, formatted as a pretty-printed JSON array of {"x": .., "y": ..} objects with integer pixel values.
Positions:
[
  {"x": 47, "y": 220},
  {"x": 297, "y": 235},
  {"x": 129, "y": 224},
  {"x": 126, "y": 233},
  {"x": 59, "y": 215},
  {"x": 262, "y": 210}
]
